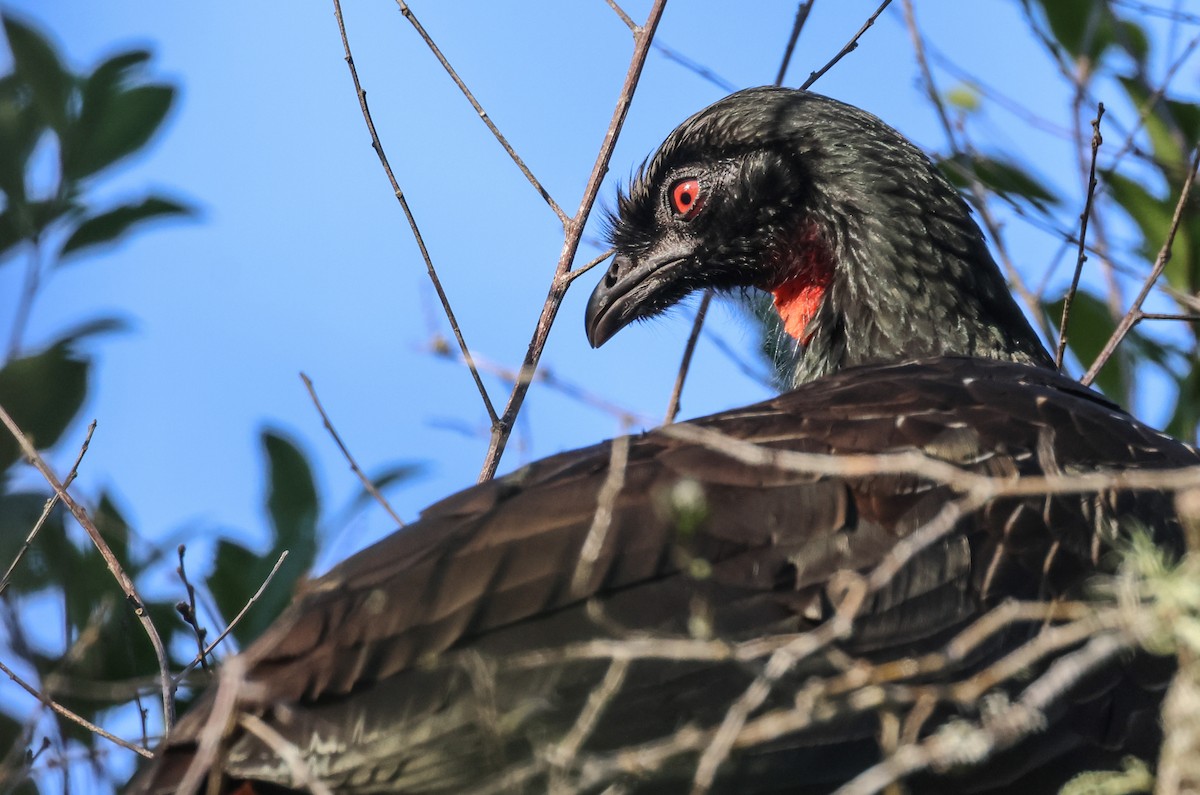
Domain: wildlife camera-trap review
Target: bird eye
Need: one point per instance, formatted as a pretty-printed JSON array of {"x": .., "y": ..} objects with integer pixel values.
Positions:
[{"x": 686, "y": 199}]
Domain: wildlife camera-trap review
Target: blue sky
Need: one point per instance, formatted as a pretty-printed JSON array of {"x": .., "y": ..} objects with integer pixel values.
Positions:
[{"x": 300, "y": 259}]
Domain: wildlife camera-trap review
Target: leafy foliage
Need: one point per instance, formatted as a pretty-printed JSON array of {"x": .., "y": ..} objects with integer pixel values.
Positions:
[{"x": 64, "y": 617}]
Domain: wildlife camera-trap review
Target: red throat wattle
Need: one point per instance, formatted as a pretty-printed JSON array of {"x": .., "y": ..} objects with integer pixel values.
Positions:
[{"x": 808, "y": 266}]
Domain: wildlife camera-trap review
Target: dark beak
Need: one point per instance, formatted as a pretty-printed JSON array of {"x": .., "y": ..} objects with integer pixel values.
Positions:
[{"x": 632, "y": 289}]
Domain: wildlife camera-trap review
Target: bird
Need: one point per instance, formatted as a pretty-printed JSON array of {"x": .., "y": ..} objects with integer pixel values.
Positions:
[{"x": 635, "y": 616}]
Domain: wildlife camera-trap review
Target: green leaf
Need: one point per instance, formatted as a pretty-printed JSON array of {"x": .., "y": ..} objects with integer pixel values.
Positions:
[
  {"x": 10, "y": 232},
  {"x": 1002, "y": 176},
  {"x": 42, "y": 393},
  {"x": 108, "y": 226},
  {"x": 20, "y": 129},
  {"x": 1087, "y": 28},
  {"x": 1153, "y": 218},
  {"x": 964, "y": 97},
  {"x": 115, "y": 71},
  {"x": 293, "y": 508},
  {"x": 1091, "y": 325},
  {"x": 1186, "y": 418},
  {"x": 15, "y": 734},
  {"x": 120, "y": 125},
  {"x": 19, "y": 513},
  {"x": 1171, "y": 127},
  {"x": 37, "y": 65}
]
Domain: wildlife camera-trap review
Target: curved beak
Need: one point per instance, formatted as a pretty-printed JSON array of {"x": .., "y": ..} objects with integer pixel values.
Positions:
[{"x": 632, "y": 289}]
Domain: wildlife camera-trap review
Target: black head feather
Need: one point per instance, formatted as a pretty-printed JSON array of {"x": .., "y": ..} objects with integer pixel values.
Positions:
[{"x": 912, "y": 276}]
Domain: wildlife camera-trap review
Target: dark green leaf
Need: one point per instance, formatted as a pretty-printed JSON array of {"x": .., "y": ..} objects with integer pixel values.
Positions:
[
  {"x": 115, "y": 71},
  {"x": 1003, "y": 177},
  {"x": 293, "y": 508},
  {"x": 1086, "y": 29},
  {"x": 1167, "y": 136},
  {"x": 124, "y": 123},
  {"x": 10, "y": 233},
  {"x": 108, "y": 226},
  {"x": 94, "y": 327},
  {"x": 20, "y": 128},
  {"x": 1133, "y": 40},
  {"x": 1153, "y": 218},
  {"x": 19, "y": 513},
  {"x": 42, "y": 393},
  {"x": 16, "y": 736},
  {"x": 1184, "y": 421},
  {"x": 37, "y": 65},
  {"x": 1091, "y": 325}
]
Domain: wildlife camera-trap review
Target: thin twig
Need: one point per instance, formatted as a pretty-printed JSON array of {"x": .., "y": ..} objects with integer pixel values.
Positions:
[
  {"x": 412, "y": 222},
  {"x": 50, "y": 503},
  {"x": 502, "y": 429},
  {"x": 686, "y": 363},
  {"x": 71, "y": 716},
  {"x": 979, "y": 191},
  {"x": 1186, "y": 318},
  {"x": 931, "y": 91},
  {"x": 354, "y": 467},
  {"x": 229, "y": 628},
  {"x": 110, "y": 560},
  {"x": 629, "y": 23},
  {"x": 689, "y": 349},
  {"x": 802, "y": 11},
  {"x": 188, "y": 609},
  {"x": 695, "y": 67},
  {"x": 562, "y": 756},
  {"x": 628, "y": 418},
  {"x": 1160, "y": 263},
  {"x": 1081, "y": 256},
  {"x": 850, "y": 47},
  {"x": 579, "y": 271},
  {"x": 231, "y": 684},
  {"x": 288, "y": 753},
  {"x": 606, "y": 499},
  {"x": 512, "y": 153}
]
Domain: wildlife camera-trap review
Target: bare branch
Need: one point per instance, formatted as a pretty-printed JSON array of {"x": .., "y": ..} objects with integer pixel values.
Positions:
[
  {"x": 502, "y": 429},
  {"x": 512, "y": 153},
  {"x": 686, "y": 363},
  {"x": 627, "y": 418},
  {"x": 231, "y": 686},
  {"x": 188, "y": 609},
  {"x": 562, "y": 756},
  {"x": 802, "y": 11},
  {"x": 245, "y": 608},
  {"x": 412, "y": 222},
  {"x": 50, "y": 503},
  {"x": 850, "y": 47},
  {"x": 1081, "y": 256},
  {"x": 71, "y": 716},
  {"x": 110, "y": 560},
  {"x": 366, "y": 481},
  {"x": 593, "y": 543},
  {"x": 575, "y": 274},
  {"x": 629, "y": 23},
  {"x": 302, "y": 774},
  {"x": 1164, "y": 256}
]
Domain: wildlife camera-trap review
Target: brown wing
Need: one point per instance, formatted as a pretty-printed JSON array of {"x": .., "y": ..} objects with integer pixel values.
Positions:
[{"x": 408, "y": 667}]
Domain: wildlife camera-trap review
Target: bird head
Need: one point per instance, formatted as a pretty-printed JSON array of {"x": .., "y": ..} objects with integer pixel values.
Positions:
[{"x": 869, "y": 253}]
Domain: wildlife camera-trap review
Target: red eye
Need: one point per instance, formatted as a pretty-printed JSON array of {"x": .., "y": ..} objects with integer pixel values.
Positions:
[{"x": 686, "y": 200}]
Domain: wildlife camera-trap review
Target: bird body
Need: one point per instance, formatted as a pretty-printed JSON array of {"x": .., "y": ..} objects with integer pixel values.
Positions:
[{"x": 596, "y": 617}]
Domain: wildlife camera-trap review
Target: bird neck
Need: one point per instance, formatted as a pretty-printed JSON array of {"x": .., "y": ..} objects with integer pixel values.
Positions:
[{"x": 879, "y": 278}]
